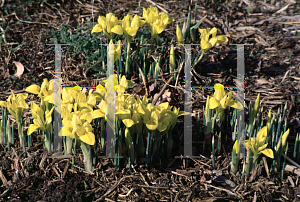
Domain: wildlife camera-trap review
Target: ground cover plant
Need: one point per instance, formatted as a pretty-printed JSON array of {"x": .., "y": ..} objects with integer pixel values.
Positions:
[{"x": 144, "y": 42}]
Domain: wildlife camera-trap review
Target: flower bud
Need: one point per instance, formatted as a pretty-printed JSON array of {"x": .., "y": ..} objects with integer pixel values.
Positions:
[
  {"x": 172, "y": 59},
  {"x": 179, "y": 35}
]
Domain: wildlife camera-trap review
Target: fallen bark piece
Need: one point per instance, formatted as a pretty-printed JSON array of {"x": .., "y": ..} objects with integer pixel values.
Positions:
[{"x": 292, "y": 169}]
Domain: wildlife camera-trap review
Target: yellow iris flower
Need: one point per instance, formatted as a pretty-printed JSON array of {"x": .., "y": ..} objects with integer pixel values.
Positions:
[
  {"x": 80, "y": 128},
  {"x": 130, "y": 29},
  {"x": 109, "y": 25},
  {"x": 15, "y": 104},
  {"x": 258, "y": 145},
  {"x": 117, "y": 50},
  {"x": 222, "y": 100},
  {"x": 39, "y": 121},
  {"x": 207, "y": 44},
  {"x": 155, "y": 21}
]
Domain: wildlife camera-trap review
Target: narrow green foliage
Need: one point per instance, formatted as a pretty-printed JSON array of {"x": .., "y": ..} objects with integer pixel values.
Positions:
[
  {"x": 298, "y": 149},
  {"x": 219, "y": 144},
  {"x": 278, "y": 129},
  {"x": 235, "y": 158},
  {"x": 1, "y": 132},
  {"x": 213, "y": 150},
  {"x": 283, "y": 166},
  {"x": 8, "y": 131},
  {"x": 103, "y": 137}
]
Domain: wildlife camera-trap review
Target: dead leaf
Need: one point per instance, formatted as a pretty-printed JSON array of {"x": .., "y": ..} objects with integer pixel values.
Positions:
[
  {"x": 151, "y": 88},
  {"x": 139, "y": 89},
  {"x": 20, "y": 69},
  {"x": 166, "y": 94},
  {"x": 202, "y": 179},
  {"x": 159, "y": 99},
  {"x": 260, "y": 22},
  {"x": 261, "y": 81}
]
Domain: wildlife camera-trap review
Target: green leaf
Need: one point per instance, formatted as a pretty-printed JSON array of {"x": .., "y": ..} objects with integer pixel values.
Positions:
[{"x": 197, "y": 25}]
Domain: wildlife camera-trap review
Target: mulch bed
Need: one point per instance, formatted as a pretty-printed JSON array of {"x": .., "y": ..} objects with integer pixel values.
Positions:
[
  {"x": 38, "y": 177},
  {"x": 272, "y": 68}
]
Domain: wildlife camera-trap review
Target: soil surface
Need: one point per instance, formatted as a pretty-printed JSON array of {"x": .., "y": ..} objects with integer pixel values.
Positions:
[{"x": 270, "y": 31}]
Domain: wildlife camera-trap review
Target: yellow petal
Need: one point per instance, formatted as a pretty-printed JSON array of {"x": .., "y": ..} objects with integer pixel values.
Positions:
[
  {"x": 88, "y": 138},
  {"x": 123, "y": 82},
  {"x": 88, "y": 127},
  {"x": 225, "y": 100},
  {"x": 35, "y": 89},
  {"x": 49, "y": 116},
  {"x": 268, "y": 153},
  {"x": 67, "y": 131},
  {"x": 102, "y": 106},
  {"x": 159, "y": 27},
  {"x": 128, "y": 122},
  {"x": 164, "y": 123},
  {"x": 204, "y": 37},
  {"x": 213, "y": 41},
  {"x": 117, "y": 30},
  {"x": 284, "y": 138},
  {"x": 80, "y": 130},
  {"x": 3, "y": 103},
  {"x": 113, "y": 20},
  {"x": 91, "y": 100},
  {"x": 102, "y": 20},
  {"x": 203, "y": 32},
  {"x": 240, "y": 105},
  {"x": 213, "y": 31},
  {"x": 50, "y": 98},
  {"x": 97, "y": 28},
  {"x": 45, "y": 84},
  {"x": 152, "y": 126},
  {"x": 219, "y": 91},
  {"x": 249, "y": 143},
  {"x": 131, "y": 31},
  {"x": 88, "y": 117},
  {"x": 31, "y": 128},
  {"x": 164, "y": 105},
  {"x": 233, "y": 104},
  {"x": 235, "y": 147},
  {"x": 260, "y": 149},
  {"x": 213, "y": 103},
  {"x": 261, "y": 136},
  {"x": 137, "y": 21},
  {"x": 222, "y": 39},
  {"x": 125, "y": 22},
  {"x": 119, "y": 89},
  {"x": 66, "y": 96},
  {"x": 117, "y": 52}
]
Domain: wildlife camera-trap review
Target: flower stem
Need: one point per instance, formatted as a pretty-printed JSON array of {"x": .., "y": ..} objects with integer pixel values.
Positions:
[
  {"x": 199, "y": 59},
  {"x": 127, "y": 61},
  {"x": 20, "y": 133},
  {"x": 69, "y": 142},
  {"x": 87, "y": 155},
  {"x": 47, "y": 142}
]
